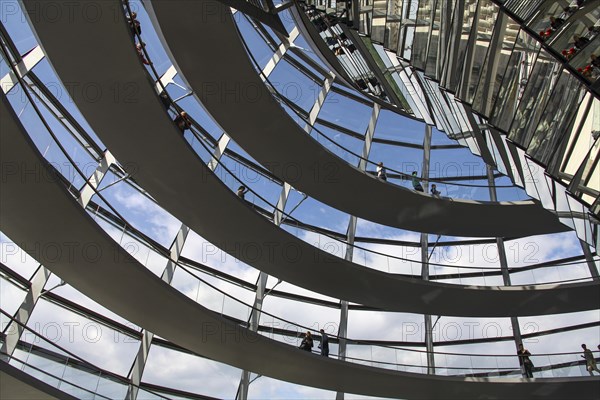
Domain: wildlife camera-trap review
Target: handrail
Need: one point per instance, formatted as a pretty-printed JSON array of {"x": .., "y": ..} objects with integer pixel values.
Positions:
[{"x": 60, "y": 379}]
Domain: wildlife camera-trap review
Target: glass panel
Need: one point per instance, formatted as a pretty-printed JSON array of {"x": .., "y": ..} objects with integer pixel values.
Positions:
[
  {"x": 268, "y": 388},
  {"x": 15, "y": 22},
  {"x": 293, "y": 85},
  {"x": 46, "y": 370},
  {"x": 259, "y": 48},
  {"x": 514, "y": 79},
  {"x": 566, "y": 35},
  {"x": 536, "y": 95},
  {"x": 523, "y": 8},
  {"x": 16, "y": 258},
  {"x": 346, "y": 147},
  {"x": 422, "y": 31},
  {"x": 479, "y": 360},
  {"x": 381, "y": 325},
  {"x": 451, "y": 329},
  {"x": 68, "y": 330},
  {"x": 346, "y": 112},
  {"x": 83, "y": 377},
  {"x": 557, "y": 121},
  {"x": 462, "y": 23},
  {"x": 141, "y": 212},
  {"x": 111, "y": 388},
  {"x": 312, "y": 316},
  {"x": 488, "y": 26},
  {"x": 379, "y": 11},
  {"x": 436, "y": 42},
  {"x": 536, "y": 16},
  {"x": 166, "y": 366}
]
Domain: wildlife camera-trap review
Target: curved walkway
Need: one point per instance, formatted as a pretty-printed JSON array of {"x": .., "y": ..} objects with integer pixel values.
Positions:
[
  {"x": 140, "y": 134},
  {"x": 110, "y": 276},
  {"x": 226, "y": 82}
]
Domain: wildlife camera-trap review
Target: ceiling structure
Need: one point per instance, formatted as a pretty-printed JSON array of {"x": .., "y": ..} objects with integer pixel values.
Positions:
[{"x": 142, "y": 234}]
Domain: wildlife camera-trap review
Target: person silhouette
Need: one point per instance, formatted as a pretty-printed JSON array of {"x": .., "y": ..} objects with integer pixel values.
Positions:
[
  {"x": 524, "y": 361},
  {"x": 241, "y": 192},
  {"x": 183, "y": 121},
  {"x": 307, "y": 342},
  {"x": 324, "y": 345},
  {"x": 416, "y": 182},
  {"x": 590, "y": 362},
  {"x": 381, "y": 171}
]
